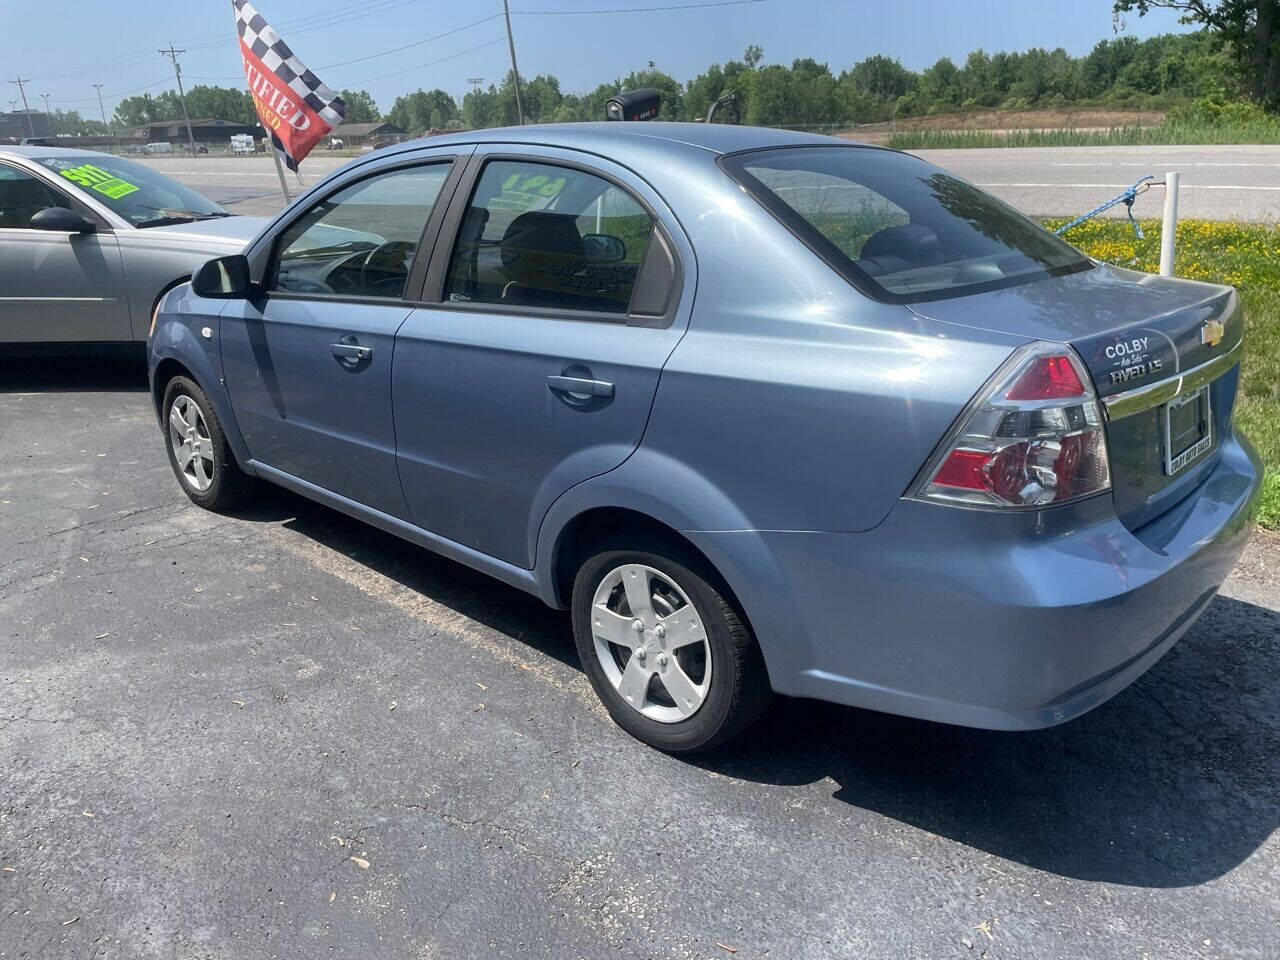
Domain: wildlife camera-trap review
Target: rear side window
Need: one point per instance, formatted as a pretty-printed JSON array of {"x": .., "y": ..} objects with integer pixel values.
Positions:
[
  {"x": 360, "y": 241},
  {"x": 541, "y": 235},
  {"x": 900, "y": 229}
]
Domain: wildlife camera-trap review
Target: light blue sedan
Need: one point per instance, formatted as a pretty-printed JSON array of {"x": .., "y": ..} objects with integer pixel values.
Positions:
[{"x": 765, "y": 411}]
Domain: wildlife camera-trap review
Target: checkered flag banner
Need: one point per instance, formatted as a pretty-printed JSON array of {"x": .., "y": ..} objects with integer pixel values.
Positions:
[{"x": 296, "y": 109}]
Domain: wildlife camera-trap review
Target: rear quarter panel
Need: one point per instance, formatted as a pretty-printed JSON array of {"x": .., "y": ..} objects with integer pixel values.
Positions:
[{"x": 802, "y": 403}]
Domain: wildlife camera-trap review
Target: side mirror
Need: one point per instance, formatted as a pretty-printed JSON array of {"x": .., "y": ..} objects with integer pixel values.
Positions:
[
  {"x": 604, "y": 247},
  {"x": 226, "y": 278},
  {"x": 62, "y": 220}
]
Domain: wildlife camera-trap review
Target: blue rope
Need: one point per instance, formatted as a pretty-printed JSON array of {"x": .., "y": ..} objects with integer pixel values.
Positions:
[{"x": 1126, "y": 198}]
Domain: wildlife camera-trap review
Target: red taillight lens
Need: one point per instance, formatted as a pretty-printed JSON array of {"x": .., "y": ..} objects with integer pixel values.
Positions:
[
  {"x": 1036, "y": 439},
  {"x": 963, "y": 469},
  {"x": 1047, "y": 378}
]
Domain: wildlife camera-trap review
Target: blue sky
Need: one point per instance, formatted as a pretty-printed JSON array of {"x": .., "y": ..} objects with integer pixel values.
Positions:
[{"x": 67, "y": 45}]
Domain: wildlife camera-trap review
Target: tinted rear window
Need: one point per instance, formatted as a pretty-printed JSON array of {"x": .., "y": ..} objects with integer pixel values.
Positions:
[{"x": 901, "y": 229}]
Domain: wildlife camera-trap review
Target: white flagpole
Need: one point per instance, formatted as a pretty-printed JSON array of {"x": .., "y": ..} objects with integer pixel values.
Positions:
[{"x": 284, "y": 186}]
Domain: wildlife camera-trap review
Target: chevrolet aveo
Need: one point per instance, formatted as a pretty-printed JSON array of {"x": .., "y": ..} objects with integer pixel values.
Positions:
[{"x": 765, "y": 411}]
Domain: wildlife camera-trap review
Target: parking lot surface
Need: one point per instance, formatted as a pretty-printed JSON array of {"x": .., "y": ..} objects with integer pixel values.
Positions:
[{"x": 284, "y": 734}]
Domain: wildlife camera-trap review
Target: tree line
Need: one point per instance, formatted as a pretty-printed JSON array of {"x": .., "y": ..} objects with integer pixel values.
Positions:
[{"x": 1124, "y": 71}]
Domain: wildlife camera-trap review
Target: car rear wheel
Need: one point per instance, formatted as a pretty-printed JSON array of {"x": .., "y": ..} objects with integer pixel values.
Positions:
[
  {"x": 669, "y": 655},
  {"x": 198, "y": 449}
]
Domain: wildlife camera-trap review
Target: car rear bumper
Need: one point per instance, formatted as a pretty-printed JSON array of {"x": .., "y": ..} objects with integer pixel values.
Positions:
[{"x": 976, "y": 618}]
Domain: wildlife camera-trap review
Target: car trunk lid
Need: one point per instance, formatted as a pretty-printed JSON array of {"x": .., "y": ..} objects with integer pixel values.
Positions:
[{"x": 1143, "y": 338}]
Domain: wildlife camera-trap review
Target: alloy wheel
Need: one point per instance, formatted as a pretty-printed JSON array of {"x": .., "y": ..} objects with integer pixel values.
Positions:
[
  {"x": 192, "y": 446},
  {"x": 651, "y": 643}
]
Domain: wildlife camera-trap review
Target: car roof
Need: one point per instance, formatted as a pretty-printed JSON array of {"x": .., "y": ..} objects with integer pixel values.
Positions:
[
  {"x": 36, "y": 153},
  {"x": 606, "y": 137}
]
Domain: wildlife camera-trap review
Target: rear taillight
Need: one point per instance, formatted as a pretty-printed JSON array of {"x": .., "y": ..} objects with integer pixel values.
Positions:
[{"x": 1034, "y": 438}]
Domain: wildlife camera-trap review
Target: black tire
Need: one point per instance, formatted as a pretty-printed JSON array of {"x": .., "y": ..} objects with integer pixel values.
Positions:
[
  {"x": 228, "y": 484},
  {"x": 739, "y": 687}
]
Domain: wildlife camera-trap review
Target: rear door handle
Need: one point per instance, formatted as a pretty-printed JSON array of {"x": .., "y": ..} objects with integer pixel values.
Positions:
[
  {"x": 581, "y": 385},
  {"x": 350, "y": 351}
]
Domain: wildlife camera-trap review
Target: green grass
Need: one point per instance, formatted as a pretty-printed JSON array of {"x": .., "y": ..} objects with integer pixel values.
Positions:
[
  {"x": 1243, "y": 254},
  {"x": 1262, "y": 130}
]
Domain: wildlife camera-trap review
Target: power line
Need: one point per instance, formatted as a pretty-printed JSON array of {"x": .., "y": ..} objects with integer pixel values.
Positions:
[
  {"x": 429, "y": 63},
  {"x": 113, "y": 96},
  {"x": 670, "y": 6}
]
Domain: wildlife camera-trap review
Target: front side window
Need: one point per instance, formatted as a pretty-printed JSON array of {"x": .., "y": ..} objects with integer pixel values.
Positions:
[
  {"x": 142, "y": 196},
  {"x": 22, "y": 196},
  {"x": 360, "y": 241},
  {"x": 540, "y": 235},
  {"x": 900, "y": 228}
]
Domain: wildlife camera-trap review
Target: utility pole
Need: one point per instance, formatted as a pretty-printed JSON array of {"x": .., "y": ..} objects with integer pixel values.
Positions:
[
  {"x": 172, "y": 54},
  {"x": 22, "y": 89},
  {"x": 515, "y": 71},
  {"x": 48, "y": 117},
  {"x": 103, "y": 110}
]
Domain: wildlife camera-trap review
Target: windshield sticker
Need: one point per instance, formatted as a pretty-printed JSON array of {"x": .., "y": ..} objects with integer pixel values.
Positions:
[{"x": 95, "y": 178}]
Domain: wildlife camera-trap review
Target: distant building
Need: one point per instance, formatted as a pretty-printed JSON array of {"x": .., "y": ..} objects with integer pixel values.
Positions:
[
  {"x": 206, "y": 130},
  {"x": 368, "y": 134},
  {"x": 14, "y": 126}
]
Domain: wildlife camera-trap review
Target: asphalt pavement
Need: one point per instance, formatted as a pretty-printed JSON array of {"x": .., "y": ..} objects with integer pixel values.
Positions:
[
  {"x": 1217, "y": 182},
  {"x": 281, "y": 733}
]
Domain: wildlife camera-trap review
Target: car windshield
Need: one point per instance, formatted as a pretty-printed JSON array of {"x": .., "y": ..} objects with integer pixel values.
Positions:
[
  {"x": 899, "y": 228},
  {"x": 131, "y": 190}
]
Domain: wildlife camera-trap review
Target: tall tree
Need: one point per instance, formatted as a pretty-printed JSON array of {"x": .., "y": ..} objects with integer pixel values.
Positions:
[
  {"x": 1251, "y": 29},
  {"x": 361, "y": 107}
]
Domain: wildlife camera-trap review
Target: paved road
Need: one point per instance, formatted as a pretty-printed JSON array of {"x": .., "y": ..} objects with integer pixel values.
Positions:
[
  {"x": 284, "y": 734},
  {"x": 1218, "y": 183}
]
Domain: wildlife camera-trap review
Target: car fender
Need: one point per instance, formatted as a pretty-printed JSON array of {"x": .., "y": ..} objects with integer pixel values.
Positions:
[
  {"x": 181, "y": 320},
  {"x": 677, "y": 495}
]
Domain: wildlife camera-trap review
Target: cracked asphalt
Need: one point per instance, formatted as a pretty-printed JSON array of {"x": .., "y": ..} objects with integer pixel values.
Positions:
[{"x": 284, "y": 734}]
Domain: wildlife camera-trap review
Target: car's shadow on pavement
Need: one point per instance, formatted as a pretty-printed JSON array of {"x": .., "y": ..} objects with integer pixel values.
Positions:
[
  {"x": 476, "y": 595},
  {"x": 1174, "y": 782},
  {"x": 79, "y": 374}
]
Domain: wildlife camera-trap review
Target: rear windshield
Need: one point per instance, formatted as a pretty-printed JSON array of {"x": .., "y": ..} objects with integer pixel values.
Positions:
[
  {"x": 144, "y": 197},
  {"x": 900, "y": 229}
]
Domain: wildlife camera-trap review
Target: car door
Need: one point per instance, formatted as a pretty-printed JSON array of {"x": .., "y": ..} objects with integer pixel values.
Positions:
[
  {"x": 308, "y": 361},
  {"x": 56, "y": 287},
  {"x": 556, "y": 305}
]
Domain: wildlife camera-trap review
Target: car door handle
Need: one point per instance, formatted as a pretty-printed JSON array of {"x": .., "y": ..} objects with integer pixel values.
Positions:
[
  {"x": 581, "y": 385},
  {"x": 351, "y": 351}
]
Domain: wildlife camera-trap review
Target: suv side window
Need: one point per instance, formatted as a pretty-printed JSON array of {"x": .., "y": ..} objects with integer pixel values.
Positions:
[
  {"x": 22, "y": 196},
  {"x": 542, "y": 235},
  {"x": 360, "y": 241}
]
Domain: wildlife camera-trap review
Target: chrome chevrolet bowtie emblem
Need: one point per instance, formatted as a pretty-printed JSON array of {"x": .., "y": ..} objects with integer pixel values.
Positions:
[{"x": 1211, "y": 333}]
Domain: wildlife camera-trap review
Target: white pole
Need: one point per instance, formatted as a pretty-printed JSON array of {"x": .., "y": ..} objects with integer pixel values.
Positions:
[
  {"x": 1169, "y": 228},
  {"x": 284, "y": 187}
]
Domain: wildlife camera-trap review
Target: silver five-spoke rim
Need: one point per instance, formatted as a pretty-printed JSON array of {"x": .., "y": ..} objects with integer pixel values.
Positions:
[
  {"x": 192, "y": 448},
  {"x": 651, "y": 643}
]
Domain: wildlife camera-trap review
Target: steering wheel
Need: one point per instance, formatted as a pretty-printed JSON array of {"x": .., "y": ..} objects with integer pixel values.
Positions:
[{"x": 395, "y": 251}]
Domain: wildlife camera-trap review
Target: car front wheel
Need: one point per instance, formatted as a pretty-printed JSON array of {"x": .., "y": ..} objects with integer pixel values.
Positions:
[
  {"x": 669, "y": 655},
  {"x": 198, "y": 450}
]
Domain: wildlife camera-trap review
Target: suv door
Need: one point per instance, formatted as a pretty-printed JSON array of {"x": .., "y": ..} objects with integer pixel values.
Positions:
[
  {"x": 557, "y": 305},
  {"x": 56, "y": 287},
  {"x": 308, "y": 361}
]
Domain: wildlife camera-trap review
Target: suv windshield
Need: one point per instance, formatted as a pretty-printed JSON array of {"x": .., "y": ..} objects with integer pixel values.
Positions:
[
  {"x": 900, "y": 229},
  {"x": 139, "y": 194}
]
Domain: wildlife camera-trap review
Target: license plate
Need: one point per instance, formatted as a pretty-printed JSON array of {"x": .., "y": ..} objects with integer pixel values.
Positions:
[{"x": 1188, "y": 430}]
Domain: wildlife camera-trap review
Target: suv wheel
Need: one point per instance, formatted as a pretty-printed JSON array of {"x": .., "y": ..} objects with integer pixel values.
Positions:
[
  {"x": 666, "y": 652},
  {"x": 198, "y": 451}
]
